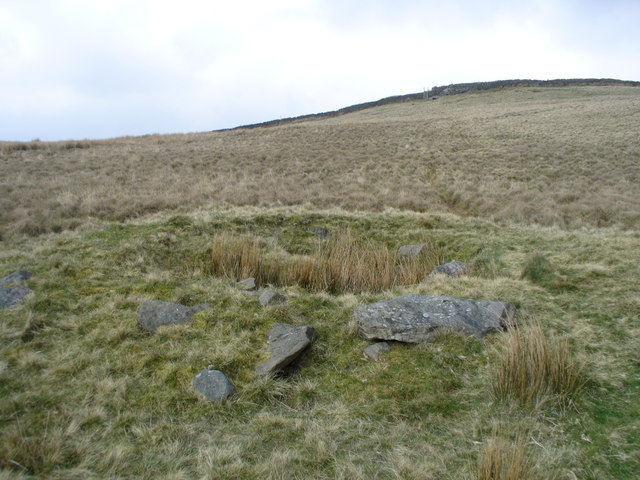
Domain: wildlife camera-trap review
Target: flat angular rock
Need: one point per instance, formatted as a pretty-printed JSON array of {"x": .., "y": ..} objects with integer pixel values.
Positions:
[
  {"x": 154, "y": 314},
  {"x": 10, "y": 297},
  {"x": 453, "y": 268},
  {"x": 373, "y": 352},
  {"x": 271, "y": 297},
  {"x": 412, "y": 251},
  {"x": 213, "y": 385},
  {"x": 15, "y": 279},
  {"x": 248, "y": 284},
  {"x": 414, "y": 318},
  {"x": 287, "y": 343}
]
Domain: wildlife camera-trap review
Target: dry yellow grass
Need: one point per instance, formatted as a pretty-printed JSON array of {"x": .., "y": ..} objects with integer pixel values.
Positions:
[
  {"x": 501, "y": 460},
  {"x": 535, "y": 367},
  {"x": 343, "y": 264},
  {"x": 567, "y": 156}
]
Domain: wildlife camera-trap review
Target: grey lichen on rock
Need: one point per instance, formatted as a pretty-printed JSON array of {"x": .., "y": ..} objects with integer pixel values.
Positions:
[
  {"x": 287, "y": 343},
  {"x": 415, "y": 318},
  {"x": 154, "y": 314},
  {"x": 213, "y": 385}
]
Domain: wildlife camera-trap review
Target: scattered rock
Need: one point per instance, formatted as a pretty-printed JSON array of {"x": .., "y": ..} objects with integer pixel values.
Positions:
[
  {"x": 166, "y": 238},
  {"x": 414, "y": 318},
  {"x": 251, "y": 293},
  {"x": 248, "y": 284},
  {"x": 453, "y": 268},
  {"x": 373, "y": 352},
  {"x": 12, "y": 292},
  {"x": 16, "y": 279},
  {"x": 271, "y": 297},
  {"x": 213, "y": 385},
  {"x": 287, "y": 344},
  {"x": 412, "y": 251},
  {"x": 155, "y": 314},
  {"x": 10, "y": 297},
  {"x": 320, "y": 231}
]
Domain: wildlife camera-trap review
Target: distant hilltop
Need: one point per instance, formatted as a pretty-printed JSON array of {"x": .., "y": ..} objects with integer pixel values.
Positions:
[{"x": 453, "y": 89}]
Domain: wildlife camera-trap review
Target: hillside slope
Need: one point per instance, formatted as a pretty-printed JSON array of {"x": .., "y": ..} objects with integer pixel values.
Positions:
[{"x": 567, "y": 156}]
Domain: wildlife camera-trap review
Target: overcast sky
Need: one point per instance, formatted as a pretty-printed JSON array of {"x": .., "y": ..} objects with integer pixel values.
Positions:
[{"x": 75, "y": 69}]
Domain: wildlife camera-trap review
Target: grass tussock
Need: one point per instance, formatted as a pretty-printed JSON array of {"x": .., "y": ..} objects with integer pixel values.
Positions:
[
  {"x": 537, "y": 268},
  {"x": 502, "y": 460},
  {"x": 535, "y": 367},
  {"x": 342, "y": 264}
]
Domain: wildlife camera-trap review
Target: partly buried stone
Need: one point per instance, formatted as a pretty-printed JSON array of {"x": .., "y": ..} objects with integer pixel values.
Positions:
[
  {"x": 10, "y": 297},
  {"x": 320, "y": 231},
  {"x": 154, "y": 314},
  {"x": 15, "y": 279},
  {"x": 373, "y": 352},
  {"x": 271, "y": 297},
  {"x": 165, "y": 238},
  {"x": 415, "y": 318},
  {"x": 287, "y": 343},
  {"x": 453, "y": 268},
  {"x": 412, "y": 251},
  {"x": 213, "y": 385},
  {"x": 248, "y": 284}
]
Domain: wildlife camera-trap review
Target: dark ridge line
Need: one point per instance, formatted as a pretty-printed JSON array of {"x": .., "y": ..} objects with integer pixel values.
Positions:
[{"x": 453, "y": 89}]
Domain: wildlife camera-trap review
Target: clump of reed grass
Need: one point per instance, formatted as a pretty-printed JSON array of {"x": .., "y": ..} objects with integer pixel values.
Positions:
[
  {"x": 502, "y": 460},
  {"x": 240, "y": 257},
  {"x": 343, "y": 264},
  {"x": 537, "y": 269},
  {"x": 535, "y": 367}
]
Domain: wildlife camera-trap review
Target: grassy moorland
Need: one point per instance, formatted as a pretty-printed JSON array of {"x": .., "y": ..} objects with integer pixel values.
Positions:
[
  {"x": 556, "y": 156},
  {"x": 542, "y": 203}
]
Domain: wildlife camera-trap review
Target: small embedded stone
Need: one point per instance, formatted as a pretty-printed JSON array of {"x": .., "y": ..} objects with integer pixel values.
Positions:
[
  {"x": 374, "y": 351},
  {"x": 213, "y": 385},
  {"x": 271, "y": 297},
  {"x": 154, "y": 314},
  {"x": 248, "y": 284}
]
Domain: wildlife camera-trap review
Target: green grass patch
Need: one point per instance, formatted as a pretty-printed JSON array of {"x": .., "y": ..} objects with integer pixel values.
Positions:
[{"x": 85, "y": 393}]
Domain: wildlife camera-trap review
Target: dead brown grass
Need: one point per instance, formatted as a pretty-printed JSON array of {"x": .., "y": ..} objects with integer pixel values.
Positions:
[
  {"x": 536, "y": 367},
  {"x": 502, "y": 460},
  {"x": 342, "y": 264},
  {"x": 565, "y": 156}
]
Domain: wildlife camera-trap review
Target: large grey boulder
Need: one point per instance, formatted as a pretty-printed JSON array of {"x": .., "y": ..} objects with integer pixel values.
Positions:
[
  {"x": 287, "y": 343},
  {"x": 16, "y": 279},
  {"x": 10, "y": 297},
  {"x": 271, "y": 297},
  {"x": 415, "y": 318},
  {"x": 453, "y": 268},
  {"x": 154, "y": 314},
  {"x": 412, "y": 251},
  {"x": 213, "y": 385}
]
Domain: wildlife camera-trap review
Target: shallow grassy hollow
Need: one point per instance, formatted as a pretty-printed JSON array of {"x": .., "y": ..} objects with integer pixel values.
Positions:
[{"x": 85, "y": 394}]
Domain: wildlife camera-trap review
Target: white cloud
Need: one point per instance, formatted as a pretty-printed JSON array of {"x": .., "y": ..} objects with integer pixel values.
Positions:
[{"x": 106, "y": 68}]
